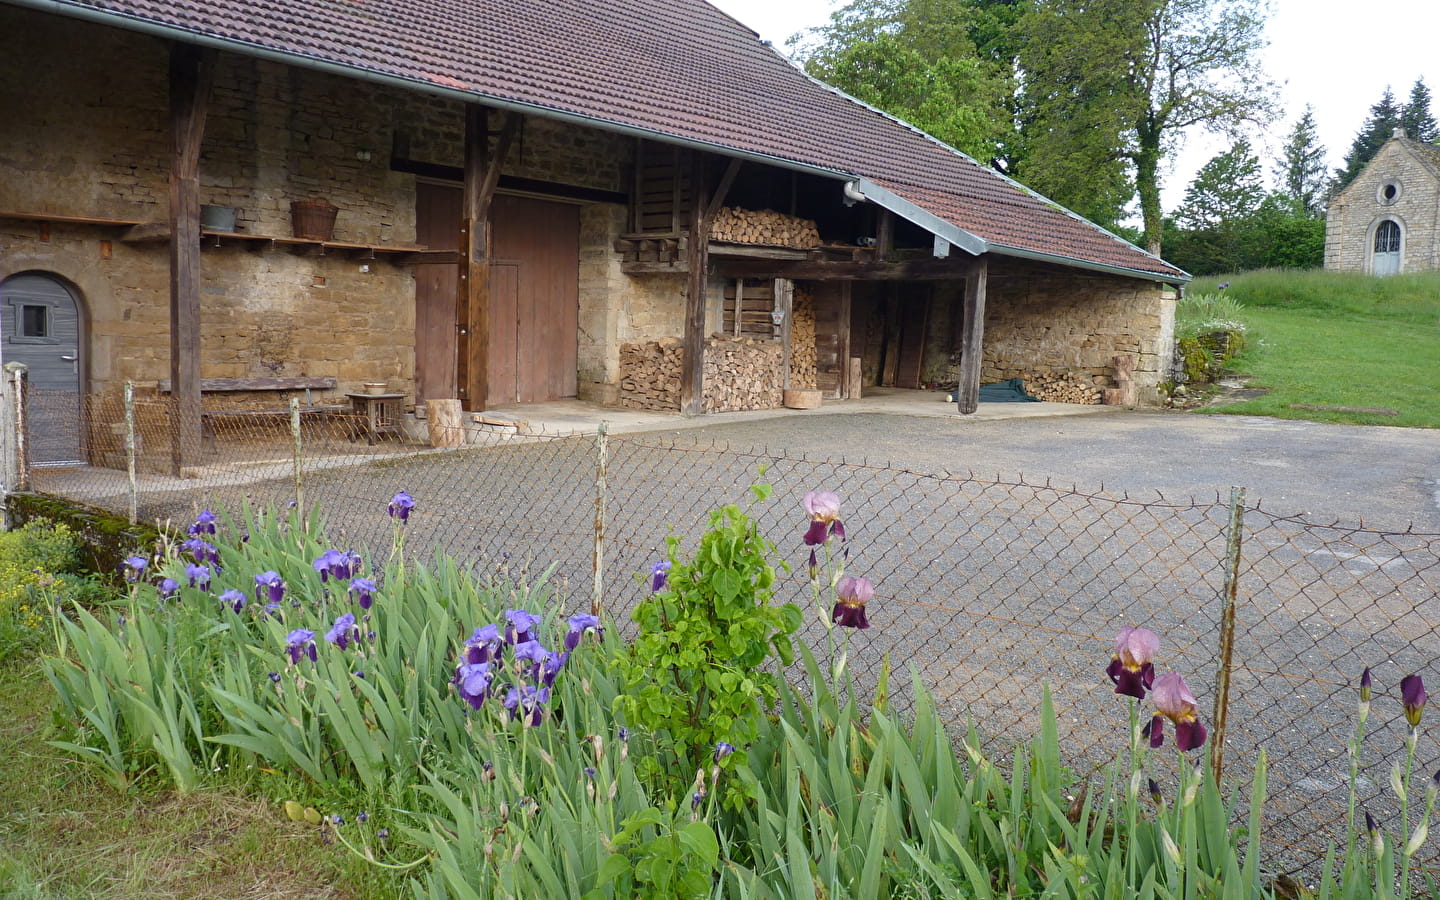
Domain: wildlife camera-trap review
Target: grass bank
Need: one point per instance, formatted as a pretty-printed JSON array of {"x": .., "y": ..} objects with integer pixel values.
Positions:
[{"x": 1328, "y": 339}]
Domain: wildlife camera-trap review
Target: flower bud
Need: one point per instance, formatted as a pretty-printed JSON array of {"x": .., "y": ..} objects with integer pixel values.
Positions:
[{"x": 1417, "y": 838}]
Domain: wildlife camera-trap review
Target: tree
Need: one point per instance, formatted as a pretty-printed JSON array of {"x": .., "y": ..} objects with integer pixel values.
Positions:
[
  {"x": 1379, "y": 128},
  {"x": 1227, "y": 189},
  {"x": 1417, "y": 119},
  {"x": 1138, "y": 73},
  {"x": 1301, "y": 172}
]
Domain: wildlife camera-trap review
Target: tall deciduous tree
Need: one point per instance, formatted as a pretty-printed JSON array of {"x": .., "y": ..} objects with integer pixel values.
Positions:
[
  {"x": 1140, "y": 73},
  {"x": 1417, "y": 118},
  {"x": 1301, "y": 172}
]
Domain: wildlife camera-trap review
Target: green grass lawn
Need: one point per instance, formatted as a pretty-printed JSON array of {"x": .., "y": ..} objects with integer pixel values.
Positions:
[{"x": 1325, "y": 339}]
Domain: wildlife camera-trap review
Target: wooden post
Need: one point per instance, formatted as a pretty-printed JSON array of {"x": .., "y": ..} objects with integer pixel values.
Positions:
[
  {"x": 884, "y": 234},
  {"x": 447, "y": 426},
  {"x": 785, "y": 302},
  {"x": 843, "y": 325},
  {"x": 190, "y": 73},
  {"x": 972, "y": 341},
  {"x": 472, "y": 317},
  {"x": 697, "y": 256}
]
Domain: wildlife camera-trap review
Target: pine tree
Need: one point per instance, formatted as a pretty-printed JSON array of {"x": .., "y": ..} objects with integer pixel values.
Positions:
[
  {"x": 1419, "y": 123},
  {"x": 1301, "y": 171},
  {"x": 1384, "y": 119}
]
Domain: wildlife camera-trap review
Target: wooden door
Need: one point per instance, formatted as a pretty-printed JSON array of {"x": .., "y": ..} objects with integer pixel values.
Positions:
[
  {"x": 832, "y": 337},
  {"x": 40, "y": 322},
  {"x": 437, "y": 226},
  {"x": 534, "y": 300},
  {"x": 914, "y": 304}
]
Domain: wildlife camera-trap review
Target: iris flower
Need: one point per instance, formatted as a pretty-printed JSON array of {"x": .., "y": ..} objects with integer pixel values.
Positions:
[
  {"x": 578, "y": 626},
  {"x": 1412, "y": 694},
  {"x": 201, "y": 551},
  {"x": 236, "y": 599},
  {"x": 336, "y": 564},
  {"x": 364, "y": 591},
  {"x": 343, "y": 631},
  {"x": 1174, "y": 701},
  {"x": 135, "y": 567},
  {"x": 1130, "y": 667},
  {"x": 472, "y": 681},
  {"x": 204, "y": 523},
  {"x": 723, "y": 750},
  {"x": 851, "y": 594},
  {"x": 483, "y": 646},
  {"x": 527, "y": 703},
  {"x": 301, "y": 640},
  {"x": 550, "y": 667},
  {"x": 659, "y": 576},
  {"x": 520, "y": 621},
  {"x": 199, "y": 576},
  {"x": 824, "y": 510},
  {"x": 168, "y": 588},
  {"x": 272, "y": 585},
  {"x": 400, "y": 506}
]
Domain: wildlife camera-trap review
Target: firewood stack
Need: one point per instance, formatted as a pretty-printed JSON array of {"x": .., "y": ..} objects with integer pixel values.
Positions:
[
  {"x": 742, "y": 373},
  {"x": 802, "y": 340},
  {"x": 765, "y": 226},
  {"x": 1061, "y": 387},
  {"x": 650, "y": 374}
]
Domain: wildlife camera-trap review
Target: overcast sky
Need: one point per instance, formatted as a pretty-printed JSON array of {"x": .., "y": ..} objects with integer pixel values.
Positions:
[{"x": 1336, "y": 56}]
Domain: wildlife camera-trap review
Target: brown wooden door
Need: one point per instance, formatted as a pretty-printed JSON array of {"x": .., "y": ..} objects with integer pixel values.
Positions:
[
  {"x": 832, "y": 337},
  {"x": 534, "y": 300},
  {"x": 437, "y": 226}
]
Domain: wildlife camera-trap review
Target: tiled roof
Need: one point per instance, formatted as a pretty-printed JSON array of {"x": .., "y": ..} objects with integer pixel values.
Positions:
[{"x": 676, "y": 68}]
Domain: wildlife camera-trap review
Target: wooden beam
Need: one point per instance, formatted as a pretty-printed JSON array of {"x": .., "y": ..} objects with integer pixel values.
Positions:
[
  {"x": 472, "y": 316},
  {"x": 191, "y": 70},
  {"x": 972, "y": 343},
  {"x": 692, "y": 375},
  {"x": 884, "y": 234},
  {"x": 722, "y": 189},
  {"x": 824, "y": 270}
]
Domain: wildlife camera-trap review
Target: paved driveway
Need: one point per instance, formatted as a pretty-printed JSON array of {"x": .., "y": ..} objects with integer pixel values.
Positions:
[{"x": 1389, "y": 477}]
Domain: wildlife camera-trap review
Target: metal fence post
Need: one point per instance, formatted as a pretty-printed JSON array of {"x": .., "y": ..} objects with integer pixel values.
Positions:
[
  {"x": 130, "y": 444},
  {"x": 1227, "y": 631},
  {"x": 299, "y": 460},
  {"x": 601, "y": 451}
]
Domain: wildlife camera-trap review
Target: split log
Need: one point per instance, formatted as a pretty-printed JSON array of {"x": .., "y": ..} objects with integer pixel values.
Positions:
[
  {"x": 446, "y": 423},
  {"x": 765, "y": 226}
]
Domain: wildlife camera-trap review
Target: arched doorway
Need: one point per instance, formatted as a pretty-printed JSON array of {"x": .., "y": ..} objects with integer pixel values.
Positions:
[
  {"x": 1386, "y": 260},
  {"x": 40, "y": 326}
]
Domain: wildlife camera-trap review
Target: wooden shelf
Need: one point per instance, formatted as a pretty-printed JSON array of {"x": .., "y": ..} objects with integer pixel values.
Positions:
[{"x": 69, "y": 220}]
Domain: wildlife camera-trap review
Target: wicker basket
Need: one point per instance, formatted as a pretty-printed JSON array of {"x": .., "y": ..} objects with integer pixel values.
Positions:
[{"x": 313, "y": 220}]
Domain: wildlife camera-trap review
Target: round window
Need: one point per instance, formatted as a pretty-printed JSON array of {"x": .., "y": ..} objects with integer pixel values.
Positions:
[{"x": 1389, "y": 192}]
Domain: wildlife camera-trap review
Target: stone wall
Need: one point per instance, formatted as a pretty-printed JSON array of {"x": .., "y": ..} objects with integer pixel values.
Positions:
[
  {"x": 1352, "y": 217},
  {"x": 1041, "y": 320}
]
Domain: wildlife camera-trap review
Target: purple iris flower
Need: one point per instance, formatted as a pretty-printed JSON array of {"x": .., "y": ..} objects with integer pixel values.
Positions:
[
  {"x": 472, "y": 681},
  {"x": 484, "y": 645},
  {"x": 1413, "y": 696},
  {"x": 723, "y": 750},
  {"x": 659, "y": 576},
  {"x": 578, "y": 626},
  {"x": 1130, "y": 666},
  {"x": 520, "y": 621},
  {"x": 135, "y": 567},
  {"x": 851, "y": 594},
  {"x": 364, "y": 591},
  {"x": 551, "y": 667},
  {"x": 204, "y": 523},
  {"x": 400, "y": 506},
  {"x": 201, "y": 551},
  {"x": 1174, "y": 701},
  {"x": 527, "y": 703},
  {"x": 301, "y": 640},
  {"x": 824, "y": 510},
  {"x": 199, "y": 576},
  {"x": 236, "y": 599},
  {"x": 343, "y": 631},
  {"x": 168, "y": 588},
  {"x": 272, "y": 585},
  {"x": 336, "y": 564}
]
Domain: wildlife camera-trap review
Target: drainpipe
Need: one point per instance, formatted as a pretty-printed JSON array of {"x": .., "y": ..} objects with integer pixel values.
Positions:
[{"x": 853, "y": 195}]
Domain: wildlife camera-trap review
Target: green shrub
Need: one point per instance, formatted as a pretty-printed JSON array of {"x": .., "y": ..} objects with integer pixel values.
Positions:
[{"x": 39, "y": 565}]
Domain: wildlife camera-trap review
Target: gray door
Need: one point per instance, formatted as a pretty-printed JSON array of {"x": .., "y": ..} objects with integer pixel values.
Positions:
[
  {"x": 1387, "y": 249},
  {"x": 40, "y": 325}
]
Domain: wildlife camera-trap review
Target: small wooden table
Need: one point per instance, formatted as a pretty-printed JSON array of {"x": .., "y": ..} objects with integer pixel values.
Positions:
[{"x": 383, "y": 413}]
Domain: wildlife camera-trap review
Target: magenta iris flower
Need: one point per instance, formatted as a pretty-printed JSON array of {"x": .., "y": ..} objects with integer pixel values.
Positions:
[
  {"x": 580, "y": 624},
  {"x": 851, "y": 595},
  {"x": 1174, "y": 701},
  {"x": 824, "y": 510},
  {"x": 1131, "y": 667},
  {"x": 301, "y": 640},
  {"x": 400, "y": 506},
  {"x": 1412, "y": 694}
]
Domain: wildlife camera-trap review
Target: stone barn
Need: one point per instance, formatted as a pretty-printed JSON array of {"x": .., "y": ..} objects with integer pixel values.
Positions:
[
  {"x": 636, "y": 203},
  {"x": 1387, "y": 220}
]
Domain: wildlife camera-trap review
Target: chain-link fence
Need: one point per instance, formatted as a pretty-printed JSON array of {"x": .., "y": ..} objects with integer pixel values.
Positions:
[{"x": 990, "y": 588}]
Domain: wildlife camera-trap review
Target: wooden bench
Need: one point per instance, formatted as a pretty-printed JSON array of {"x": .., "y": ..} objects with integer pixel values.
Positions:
[{"x": 254, "y": 385}]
